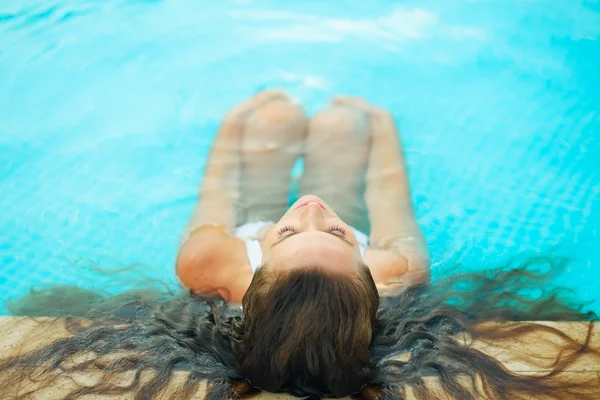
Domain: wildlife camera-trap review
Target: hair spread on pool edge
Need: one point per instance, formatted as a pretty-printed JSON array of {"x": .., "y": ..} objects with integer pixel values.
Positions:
[
  {"x": 283, "y": 349},
  {"x": 417, "y": 334}
]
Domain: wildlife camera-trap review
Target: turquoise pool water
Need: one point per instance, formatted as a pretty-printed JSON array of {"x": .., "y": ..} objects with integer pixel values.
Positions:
[{"x": 108, "y": 108}]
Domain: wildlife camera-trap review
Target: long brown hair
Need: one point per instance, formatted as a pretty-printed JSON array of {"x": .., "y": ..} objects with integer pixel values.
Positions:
[
  {"x": 426, "y": 331},
  {"x": 283, "y": 349}
]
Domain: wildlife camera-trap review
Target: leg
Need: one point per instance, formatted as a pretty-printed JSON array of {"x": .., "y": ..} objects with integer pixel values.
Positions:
[
  {"x": 218, "y": 200},
  {"x": 271, "y": 143},
  {"x": 335, "y": 162}
]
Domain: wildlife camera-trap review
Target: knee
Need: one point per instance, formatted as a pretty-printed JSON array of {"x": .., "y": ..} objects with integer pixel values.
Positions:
[
  {"x": 278, "y": 112},
  {"x": 339, "y": 120}
]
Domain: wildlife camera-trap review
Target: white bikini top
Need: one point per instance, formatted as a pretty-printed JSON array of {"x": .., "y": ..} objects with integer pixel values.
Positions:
[{"x": 249, "y": 234}]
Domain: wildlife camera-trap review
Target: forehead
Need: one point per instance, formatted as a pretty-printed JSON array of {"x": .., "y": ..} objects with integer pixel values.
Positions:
[{"x": 309, "y": 249}]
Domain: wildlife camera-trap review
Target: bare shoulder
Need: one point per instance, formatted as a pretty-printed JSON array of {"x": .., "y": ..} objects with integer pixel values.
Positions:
[{"x": 213, "y": 260}]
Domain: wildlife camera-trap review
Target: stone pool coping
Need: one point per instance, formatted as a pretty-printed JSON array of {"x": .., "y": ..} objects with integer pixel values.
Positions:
[{"x": 19, "y": 331}]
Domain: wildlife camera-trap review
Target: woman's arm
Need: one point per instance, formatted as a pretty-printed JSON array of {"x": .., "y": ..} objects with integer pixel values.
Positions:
[
  {"x": 388, "y": 192},
  {"x": 210, "y": 258},
  {"x": 398, "y": 251},
  {"x": 219, "y": 190}
]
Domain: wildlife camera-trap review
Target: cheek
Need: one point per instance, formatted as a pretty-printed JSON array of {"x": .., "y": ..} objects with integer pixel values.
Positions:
[
  {"x": 271, "y": 237},
  {"x": 357, "y": 255},
  {"x": 266, "y": 255}
]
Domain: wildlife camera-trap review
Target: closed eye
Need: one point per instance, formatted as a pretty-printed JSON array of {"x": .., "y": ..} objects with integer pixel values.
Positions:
[
  {"x": 287, "y": 228},
  {"x": 337, "y": 228},
  {"x": 334, "y": 230}
]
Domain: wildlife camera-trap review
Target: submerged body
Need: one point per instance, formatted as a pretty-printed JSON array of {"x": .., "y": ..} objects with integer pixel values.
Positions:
[{"x": 354, "y": 184}]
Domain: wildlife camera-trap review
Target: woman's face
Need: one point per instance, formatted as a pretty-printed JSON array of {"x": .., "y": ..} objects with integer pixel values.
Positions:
[{"x": 310, "y": 234}]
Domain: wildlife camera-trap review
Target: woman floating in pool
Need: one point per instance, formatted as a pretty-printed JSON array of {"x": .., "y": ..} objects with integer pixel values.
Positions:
[
  {"x": 244, "y": 235},
  {"x": 334, "y": 303}
]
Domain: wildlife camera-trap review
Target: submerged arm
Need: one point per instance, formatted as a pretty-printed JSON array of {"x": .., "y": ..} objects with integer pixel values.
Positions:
[
  {"x": 219, "y": 190},
  {"x": 398, "y": 246},
  {"x": 211, "y": 259}
]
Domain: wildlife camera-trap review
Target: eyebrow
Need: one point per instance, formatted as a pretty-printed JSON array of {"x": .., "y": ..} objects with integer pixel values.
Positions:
[{"x": 343, "y": 239}]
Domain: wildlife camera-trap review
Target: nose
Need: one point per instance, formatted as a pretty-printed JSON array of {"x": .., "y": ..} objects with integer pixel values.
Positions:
[{"x": 312, "y": 217}]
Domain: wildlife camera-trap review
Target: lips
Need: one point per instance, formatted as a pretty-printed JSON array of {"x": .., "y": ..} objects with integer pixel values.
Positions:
[{"x": 308, "y": 202}]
